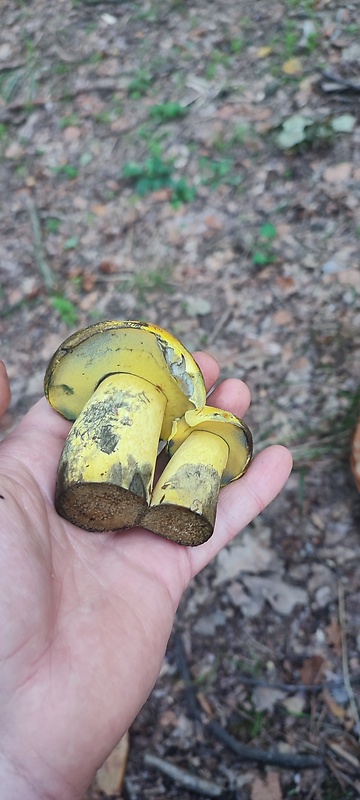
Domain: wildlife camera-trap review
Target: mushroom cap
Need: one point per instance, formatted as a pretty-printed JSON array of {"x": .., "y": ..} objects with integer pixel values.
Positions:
[
  {"x": 86, "y": 357},
  {"x": 222, "y": 423}
]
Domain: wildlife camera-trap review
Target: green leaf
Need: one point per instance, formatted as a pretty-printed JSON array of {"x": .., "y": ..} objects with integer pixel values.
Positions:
[
  {"x": 167, "y": 111},
  {"x": 260, "y": 258},
  {"x": 343, "y": 124},
  {"x": 85, "y": 159},
  {"x": 268, "y": 231},
  {"x": 52, "y": 224},
  {"x": 66, "y": 309},
  {"x": 71, "y": 243},
  {"x": 293, "y": 131},
  {"x": 132, "y": 170}
]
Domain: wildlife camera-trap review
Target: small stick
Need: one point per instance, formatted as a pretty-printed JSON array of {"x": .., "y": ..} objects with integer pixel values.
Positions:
[
  {"x": 285, "y": 687},
  {"x": 245, "y": 753},
  {"x": 355, "y": 87},
  {"x": 345, "y": 657},
  {"x": 222, "y": 322},
  {"x": 189, "y": 781},
  {"x": 190, "y": 696},
  {"x": 39, "y": 256}
]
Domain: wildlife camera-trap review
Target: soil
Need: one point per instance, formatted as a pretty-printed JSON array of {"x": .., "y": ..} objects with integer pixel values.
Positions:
[{"x": 142, "y": 176}]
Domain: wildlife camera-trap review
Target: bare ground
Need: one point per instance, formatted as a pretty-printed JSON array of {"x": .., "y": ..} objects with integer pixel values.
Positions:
[{"x": 238, "y": 246}]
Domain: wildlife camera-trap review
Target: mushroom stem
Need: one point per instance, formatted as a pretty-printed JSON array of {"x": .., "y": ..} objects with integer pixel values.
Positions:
[
  {"x": 107, "y": 465},
  {"x": 183, "y": 504}
]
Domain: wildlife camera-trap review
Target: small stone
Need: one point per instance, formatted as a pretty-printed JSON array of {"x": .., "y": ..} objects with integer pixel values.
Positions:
[
  {"x": 338, "y": 173},
  {"x": 79, "y": 202},
  {"x": 72, "y": 133},
  {"x": 331, "y": 267},
  {"x": 295, "y": 704},
  {"x": 14, "y": 151},
  {"x": 198, "y": 306},
  {"x": 282, "y": 317},
  {"x": 5, "y": 52},
  {"x": 351, "y": 53}
]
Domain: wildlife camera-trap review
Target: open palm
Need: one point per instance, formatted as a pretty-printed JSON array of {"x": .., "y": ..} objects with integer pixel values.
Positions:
[{"x": 85, "y": 618}]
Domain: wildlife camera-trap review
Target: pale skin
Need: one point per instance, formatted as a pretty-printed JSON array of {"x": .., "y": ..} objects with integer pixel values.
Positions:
[{"x": 85, "y": 618}]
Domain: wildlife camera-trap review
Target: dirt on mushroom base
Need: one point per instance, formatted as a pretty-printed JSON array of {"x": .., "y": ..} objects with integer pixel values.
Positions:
[{"x": 261, "y": 268}]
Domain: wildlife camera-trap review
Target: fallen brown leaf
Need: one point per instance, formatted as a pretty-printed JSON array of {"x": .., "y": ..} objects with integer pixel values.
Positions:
[
  {"x": 108, "y": 267},
  {"x": 88, "y": 281},
  {"x": 311, "y": 670},
  {"x": 110, "y": 776},
  {"x": 355, "y": 456},
  {"x": 333, "y": 635},
  {"x": 335, "y": 709},
  {"x": 99, "y": 209},
  {"x": 268, "y": 789},
  {"x": 338, "y": 173},
  {"x": 263, "y": 52},
  {"x": 292, "y": 66}
]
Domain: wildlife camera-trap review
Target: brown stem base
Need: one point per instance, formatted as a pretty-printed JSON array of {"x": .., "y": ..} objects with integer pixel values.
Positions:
[{"x": 100, "y": 507}]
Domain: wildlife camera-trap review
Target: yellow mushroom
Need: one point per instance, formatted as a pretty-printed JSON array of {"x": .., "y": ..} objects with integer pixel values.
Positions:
[
  {"x": 124, "y": 384},
  {"x": 209, "y": 448}
]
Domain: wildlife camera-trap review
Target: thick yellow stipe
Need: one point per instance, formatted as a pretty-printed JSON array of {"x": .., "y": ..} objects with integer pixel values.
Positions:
[
  {"x": 107, "y": 466},
  {"x": 183, "y": 503}
]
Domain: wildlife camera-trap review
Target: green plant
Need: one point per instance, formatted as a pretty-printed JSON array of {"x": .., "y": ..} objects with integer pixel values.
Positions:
[
  {"x": 218, "y": 172},
  {"x": 153, "y": 174},
  {"x": 248, "y": 724},
  {"x": 263, "y": 252},
  {"x": 334, "y": 436},
  {"x": 66, "y": 171},
  {"x": 156, "y": 173},
  {"x": 182, "y": 192},
  {"x": 9, "y": 84},
  {"x": 217, "y": 57},
  {"x": 298, "y": 131},
  {"x": 61, "y": 68},
  {"x": 306, "y": 5},
  {"x": 140, "y": 84},
  {"x": 157, "y": 280},
  {"x": 3, "y": 136},
  {"x": 66, "y": 309},
  {"x": 165, "y": 112},
  {"x": 236, "y": 45},
  {"x": 290, "y": 40},
  {"x": 312, "y": 42},
  {"x": 104, "y": 117},
  {"x": 67, "y": 122},
  {"x": 52, "y": 224},
  {"x": 71, "y": 243}
]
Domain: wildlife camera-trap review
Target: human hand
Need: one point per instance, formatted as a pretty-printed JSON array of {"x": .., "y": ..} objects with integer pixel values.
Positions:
[{"x": 85, "y": 618}]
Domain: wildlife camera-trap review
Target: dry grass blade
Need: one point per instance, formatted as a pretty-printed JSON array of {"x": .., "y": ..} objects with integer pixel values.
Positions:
[{"x": 345, "y": 658}]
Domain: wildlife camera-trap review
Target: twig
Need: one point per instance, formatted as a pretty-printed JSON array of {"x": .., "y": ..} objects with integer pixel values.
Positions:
[
  {"x": 339, "y": 751},
  {"x": 276, "y": 759},
  {"x": 39, "y": 256},
  {"x": 285, "y": 687},
  {"x": 345, "y": 657},
  {"x": 186, "y": 779},
  {"x": 190, "y": 696},
  {"x": 223, "y": 321},
  {"x": 105, "y": 85},
  {"x": 9, "y": 67},
  {"x": 355, "y": 87}
]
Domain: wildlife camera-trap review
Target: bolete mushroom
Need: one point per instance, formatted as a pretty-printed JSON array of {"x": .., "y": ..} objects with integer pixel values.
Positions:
[
  {"x": 124, "y": 384},
  {"x": 209, "y": 448}
]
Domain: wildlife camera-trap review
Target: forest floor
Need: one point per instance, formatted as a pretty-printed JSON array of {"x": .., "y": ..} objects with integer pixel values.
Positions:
[{"x": 197, "y": 165}]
